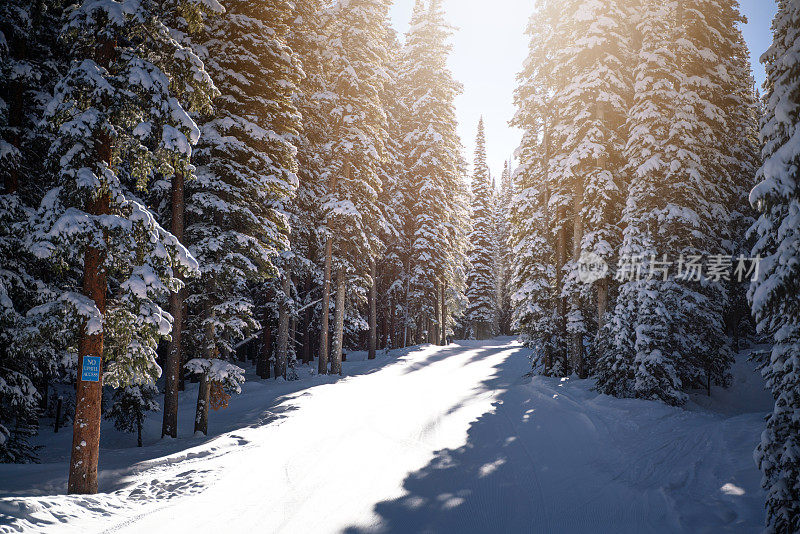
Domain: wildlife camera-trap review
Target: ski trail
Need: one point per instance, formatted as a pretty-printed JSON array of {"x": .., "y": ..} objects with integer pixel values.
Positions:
[{"x": 442, "y": 440}]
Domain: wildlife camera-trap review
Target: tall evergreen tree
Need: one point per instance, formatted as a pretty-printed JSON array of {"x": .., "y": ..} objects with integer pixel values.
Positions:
[
  {"x": 539, "y": 207},
  {"x": 356, "y": 60},
  {"x": 775, "y": 295},
  {"x": 481, "y": 284},
  {"x": 118, "y": 123},
  {"x": 246, "y": 165},
  {"x": 30, "y": 61},
  {"x": 503, "y": 255},
  {"x": 591, "y": 95},
  {"x": 431, "y": 180}
]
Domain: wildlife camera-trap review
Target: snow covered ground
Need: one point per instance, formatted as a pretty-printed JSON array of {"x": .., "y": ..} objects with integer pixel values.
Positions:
[{"x": 431, "y": 439}]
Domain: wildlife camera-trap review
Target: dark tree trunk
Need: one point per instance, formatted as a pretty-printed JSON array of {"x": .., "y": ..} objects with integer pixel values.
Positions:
[
  {"x": 265, "y": 351},
  {"x": 372, "y": 313},
  {"x": 282, "y": 354},
  {"x": 172, "y": 369},
  {"x": 204, "y": 392},
  {"x": 139, "y": 430},
  {"x": 307, "y": 326},
  {"x": 444, "y": 313},
  {"x": 86, "y": 427},
  {"x": 336, "y": 353},
  {"x": 577, "y": 237},
  {"x": 326, "y": 309}
]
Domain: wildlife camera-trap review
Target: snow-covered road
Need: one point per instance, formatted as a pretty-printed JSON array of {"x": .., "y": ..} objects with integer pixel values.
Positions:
[{"x": 444, "y": 439}]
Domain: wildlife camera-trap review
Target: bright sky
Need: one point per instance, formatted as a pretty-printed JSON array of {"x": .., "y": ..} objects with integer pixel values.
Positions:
[{"x": 489, "y": 48}]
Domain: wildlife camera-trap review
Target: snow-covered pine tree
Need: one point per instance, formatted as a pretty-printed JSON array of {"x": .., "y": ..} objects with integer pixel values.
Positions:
[
  {"x": 129, "y": 407},
  {"x": 431, "y": 179},
  {"x": 481, "y": 288},
  {"x": 673, "y": 337},
  {"x": 386, "y": 268},
  {"x": 532, "y": 279},
  {"x": 245, "y": 175},
  {"x": 696, "y": 218},
  {"x": 775, "y": 295},
  {"x": 29, "y": 65},
  {"x": 118, "y": 123},
  {"x": 591, "y": 95},
  {"x": 185, "y": 20},
  {"x": 741, "y": 150},
  {"x": 356, "y": 60},
  {"x": 539, "y": 208},
  {"x": 503, "y": 255},
  {"x": 634, "y": 340},
  {"x": 306, "y": 39}
]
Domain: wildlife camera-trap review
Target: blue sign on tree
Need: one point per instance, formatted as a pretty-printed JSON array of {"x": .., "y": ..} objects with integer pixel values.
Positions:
[{"x": 91, "y": 369}]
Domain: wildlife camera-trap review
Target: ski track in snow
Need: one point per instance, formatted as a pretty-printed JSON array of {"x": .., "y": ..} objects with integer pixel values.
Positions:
[{"x": 430, "y": 439}]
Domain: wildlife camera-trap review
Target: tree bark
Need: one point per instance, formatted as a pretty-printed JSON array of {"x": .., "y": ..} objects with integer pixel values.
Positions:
[
  {"x": 209, "y": 351},
  {"x": 602, "y": 284},
  {"x": 444, "y": 312},
  {"x": 86, "y": 426},
  {"x": 282, "y": 354},
  {"x": 307, "y": 326},
  {"x": 390, "y": 343},
  {"x": 172, "y": 367},
  {"x": 326, "y": 309},
  {"x": 602, "y": 302},
  {"x": 265, "y": 352},
  {"x": 336, "y": 356},
  {"x": 88, "y": 395},
  {"x": 373, "y": 318},
  {"x": 577, "y": 237}
]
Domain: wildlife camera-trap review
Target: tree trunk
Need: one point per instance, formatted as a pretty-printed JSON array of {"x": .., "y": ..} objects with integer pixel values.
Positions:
[
  {"x": 265, "y": 352},
  {"x": 390, "y": 343},
  {"x": 307, "y": 326},
  {"x": 602, "y": 284},
  {"x": 182, "y": 376},
  {"x": 326, "y": 309},
  {"x": 336, "y": 356},
  {"x": 139, "y": 430},
  {"x": 444, "y": 313},
  {"x": 204, "y": 392},
  {"x": 86, "y": 427},
  {"x": 437, "y": 316},
  {"x": 172, "y": 367},
  {"x": 602, "y": 302},
  {"x": 282, "y": 354},
  {"x": 577, "y": 237},
  {"x": 373, "y": 318}
]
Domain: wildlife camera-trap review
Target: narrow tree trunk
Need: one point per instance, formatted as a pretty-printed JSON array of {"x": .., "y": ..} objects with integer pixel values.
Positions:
[
  {"x": 326, "y": 309},
  {"x": 172, "y": 367},
  {"x": 392, "y": 334},
  {"x": 602, "y": 302},
  {"x": 338, "y": 339},
  {"x": 184, "y": 356},
  {"x": 602, "y": 284},
  {"x": 86, "y": 426},
  {"x": 373, "y": 318},
  {"x": 577, "y": 237},
  {"x": 437, "y": 315},
  {"x": 561, "y": 259},
  {"x": 265, "y": 352},
  {"x": 444, "y": 313},
  {"x": 139, "y": 430},
  {"x": 307, "y": 326},
  {"x": 204, "y": 392},
  {"x": 282, "y": 354}
]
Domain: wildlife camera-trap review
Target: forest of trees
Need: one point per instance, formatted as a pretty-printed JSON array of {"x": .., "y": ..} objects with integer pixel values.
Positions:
[{"x": 187, "y": 185}]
